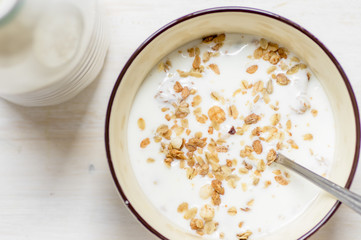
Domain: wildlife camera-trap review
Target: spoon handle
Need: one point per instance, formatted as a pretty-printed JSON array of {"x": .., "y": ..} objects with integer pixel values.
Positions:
[{"x": 342, "y": 194}]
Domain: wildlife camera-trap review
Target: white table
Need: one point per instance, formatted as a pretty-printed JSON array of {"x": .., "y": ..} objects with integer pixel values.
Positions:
[{"x": 54, "y": 177}]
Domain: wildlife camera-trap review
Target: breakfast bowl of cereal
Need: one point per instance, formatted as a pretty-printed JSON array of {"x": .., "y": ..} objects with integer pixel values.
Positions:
[{"x": 199, "y": 113}]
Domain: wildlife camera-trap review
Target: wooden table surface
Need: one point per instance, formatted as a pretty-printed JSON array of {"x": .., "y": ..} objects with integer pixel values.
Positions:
[{"x": 55, "y": 182}]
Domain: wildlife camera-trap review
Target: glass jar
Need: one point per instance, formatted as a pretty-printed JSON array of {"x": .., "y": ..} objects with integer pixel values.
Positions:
[{"x": 49, "y": 49}]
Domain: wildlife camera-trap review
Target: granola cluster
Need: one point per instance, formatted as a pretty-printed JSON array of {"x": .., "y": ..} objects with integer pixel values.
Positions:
[{"x": 203, "y": 155}]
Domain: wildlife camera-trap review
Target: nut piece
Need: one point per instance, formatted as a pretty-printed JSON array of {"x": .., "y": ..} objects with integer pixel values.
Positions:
[
  {"x": 174, "y": 153},
  {"x": 256, "y": 131},
  {"x": 207, "y": 212},
  {"x": 197, "y": 62},
  {"x": 177, "y": 87},
  {"x": 206, "y": 56},
  {"x": 164, "y": 131},
  {"x": 214, "y": 68},
  {"x": 257, "y": 54},
  {"x": 281, "y": 180},
  {"x": 182, "y": 207},
  {"x": 269, "y": 87},
  {"x": 246, "y": 152},
  {"x": 196, "y": 100},
  {"x": 204, "y": 171},
  {"x": 243, "y": 170},
  {"x": 261, "y": 166},
  {"x": 232, "y": 211},
  {"x": 216, "y": 114},
  {"x": 144, "y": 143},
  {"x": 182, "y": 110},
  {"x": 244, "y": 236},
  {"x": 193, "y": 143},
  {"x": 288, "y": 124},
  {"x": 185, "y": 92},
  {"x": 292, "y": 143},
  {"x": 216, "y": 198},
  {"x": 252, "y": 69},
  {"x": 271, "y": 156},
  {"x": 168, "y": 162},
  {"x": 217, "y": 46},
  {"x": 275, "y": 119},
  {"x": 251, "y": 119},
  {"x": 217, "y": 186},
  {"x": 282, "y": 79},
  {"x": 293, "y": 69},
  {"x": 314, "y": 112},
  {"x": 191, "y": 173},
  {"x": 191, "y": 213},
  {"x": 220, "y": 38},
  {"x": 283, "y": 52},
  {"x": 264, "y": 43},
  {"x": 257, "y": 146},
  {"x": 244, "y": 187},
  {"x": 164, "y": 66},
  {"x": 216, "y": 96},
  {"x": 274, "y": 59},
  {"x": 277, "y": 172},
  {"x": 176, "y": 142},
  {"x": 272, "y": 46},
  {"x": 271, "y": 69},
  {"x": 190, "y": 52},
  {"x": 210, "y": 227},
  {"x": 205, "y": 191},
  {"x": 196, "y": 224},
  {"x": 308, "y": 137},
  {"x": 141, "y": 123},
  {"x": 208, "y": 39},
  {"x": 266, "y": 98},
  {"x": 250, "y": 202},
  {"x": 233, "y": 112}
]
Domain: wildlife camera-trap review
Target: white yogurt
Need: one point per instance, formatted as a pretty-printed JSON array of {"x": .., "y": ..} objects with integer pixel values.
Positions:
[{"x": 273, "y": 206}]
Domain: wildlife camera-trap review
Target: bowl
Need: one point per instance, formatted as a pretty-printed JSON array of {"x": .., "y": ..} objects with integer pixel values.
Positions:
[{"x": 233, "y": 20}]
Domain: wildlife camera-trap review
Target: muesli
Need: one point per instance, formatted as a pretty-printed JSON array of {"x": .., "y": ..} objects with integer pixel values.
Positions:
[{"x": 207, "y": 123}]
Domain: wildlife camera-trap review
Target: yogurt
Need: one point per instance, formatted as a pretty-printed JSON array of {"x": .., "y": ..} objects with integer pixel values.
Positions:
[{"x": 217, "y": 111}]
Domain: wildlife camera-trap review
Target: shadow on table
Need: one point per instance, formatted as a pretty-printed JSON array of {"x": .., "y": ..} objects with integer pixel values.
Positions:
[
  {"x": 57, "y": 125},
  {"x": 124, "y": 224}
]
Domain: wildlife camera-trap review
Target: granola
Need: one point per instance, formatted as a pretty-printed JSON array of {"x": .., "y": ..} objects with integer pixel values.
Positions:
[{"x": 227, "y": 140}]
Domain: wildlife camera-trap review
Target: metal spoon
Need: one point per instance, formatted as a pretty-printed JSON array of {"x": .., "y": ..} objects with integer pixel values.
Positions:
[{"x": 342, "y": 194}]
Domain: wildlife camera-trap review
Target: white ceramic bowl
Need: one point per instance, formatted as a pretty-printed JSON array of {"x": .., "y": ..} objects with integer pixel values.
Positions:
[{"x": 233, "y": 20}]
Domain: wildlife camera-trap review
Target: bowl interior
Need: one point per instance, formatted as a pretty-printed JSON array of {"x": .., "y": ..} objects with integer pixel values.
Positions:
[{"x": 232, "y": 21}]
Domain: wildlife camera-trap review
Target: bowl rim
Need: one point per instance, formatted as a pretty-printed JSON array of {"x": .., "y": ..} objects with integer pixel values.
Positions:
[{"x": 219, "y": 10}]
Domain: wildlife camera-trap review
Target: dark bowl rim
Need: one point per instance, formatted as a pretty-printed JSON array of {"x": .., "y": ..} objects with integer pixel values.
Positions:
[{"x": 219, "y": 10}]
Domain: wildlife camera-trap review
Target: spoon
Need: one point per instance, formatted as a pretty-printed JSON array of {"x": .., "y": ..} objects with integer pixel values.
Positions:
[{"x": 342, "y": 194}]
